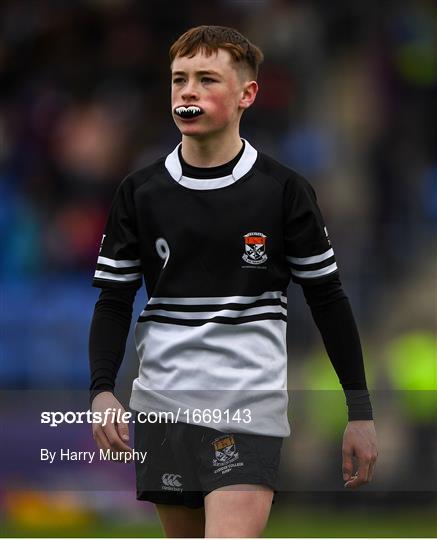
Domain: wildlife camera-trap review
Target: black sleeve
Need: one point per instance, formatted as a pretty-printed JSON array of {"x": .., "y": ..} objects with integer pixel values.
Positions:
[
  {"x": 119, "y": 261},
  {"x": 333, "y": 316},
  {"x": 307, "y": 246},
  {"x": 107, "y": 341}
]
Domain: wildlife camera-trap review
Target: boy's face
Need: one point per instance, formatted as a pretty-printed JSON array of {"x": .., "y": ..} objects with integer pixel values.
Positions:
[{"x": 208, "y": 94}]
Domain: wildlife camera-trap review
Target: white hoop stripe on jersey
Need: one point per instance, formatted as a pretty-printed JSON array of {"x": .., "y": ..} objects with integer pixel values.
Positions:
[
  {"x": 218, "y": 310},
  {"x": 219, "y": 299},
  {"x": 100, "y": 274},
  {"x": 315, "y": 273},
  {"x": 209, "y": 314},
  {"x": 118, "y": 264},
  {"x": 314, "y": 266},
  {"x": 313, "y": 259},
  {"x": 122, "y": 270}
]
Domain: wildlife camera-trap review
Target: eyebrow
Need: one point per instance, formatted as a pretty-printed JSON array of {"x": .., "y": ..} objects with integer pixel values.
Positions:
[{"x": 200, "y": 72}]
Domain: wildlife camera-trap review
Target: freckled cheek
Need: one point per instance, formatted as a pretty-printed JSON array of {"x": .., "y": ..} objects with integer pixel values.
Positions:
[{"x": 220, "y": 108}]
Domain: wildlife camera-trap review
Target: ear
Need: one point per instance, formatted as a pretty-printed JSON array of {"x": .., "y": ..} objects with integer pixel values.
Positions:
[{"x": 250, "y": 89}]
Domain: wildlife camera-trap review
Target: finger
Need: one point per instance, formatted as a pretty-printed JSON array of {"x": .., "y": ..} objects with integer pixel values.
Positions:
[
  {"x": 351, "y": 483},
  {"x": 372, "y": 469},
  {"x": 101, "y": 439},
  {"x": 103, "y": 442},
  {"x": 361, "y": 475},
  {"x": 123, "y": 431},
  {"x": 114, "y": 439},
  {"x": 347, "y": 466}
]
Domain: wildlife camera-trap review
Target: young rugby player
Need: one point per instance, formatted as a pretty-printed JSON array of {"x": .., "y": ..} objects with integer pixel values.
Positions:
[{"x": 217, "y": 229}]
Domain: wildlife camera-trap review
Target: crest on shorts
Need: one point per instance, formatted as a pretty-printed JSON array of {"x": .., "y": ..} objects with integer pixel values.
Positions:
[
  {"x": 225, "y": 450},
  {"x": 255, "y": 248}
]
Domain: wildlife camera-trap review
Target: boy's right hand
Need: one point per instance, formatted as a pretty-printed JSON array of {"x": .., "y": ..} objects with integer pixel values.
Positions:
[{"x": 112, "y": 436}]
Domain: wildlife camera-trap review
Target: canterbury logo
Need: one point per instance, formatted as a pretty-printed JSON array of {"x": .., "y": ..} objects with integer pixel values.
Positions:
[{"x": 171, "y": 480}]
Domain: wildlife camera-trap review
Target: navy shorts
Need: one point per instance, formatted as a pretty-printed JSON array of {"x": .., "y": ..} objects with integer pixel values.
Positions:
[{"x": 185, "y": 462}]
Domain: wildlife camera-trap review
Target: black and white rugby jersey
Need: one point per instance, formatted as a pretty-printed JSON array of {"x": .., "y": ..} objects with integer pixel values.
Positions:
[{"x": 216, "y": 256}]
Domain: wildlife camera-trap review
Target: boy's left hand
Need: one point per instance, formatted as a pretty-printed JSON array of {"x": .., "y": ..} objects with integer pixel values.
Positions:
[{"x": 359, "y": 441}]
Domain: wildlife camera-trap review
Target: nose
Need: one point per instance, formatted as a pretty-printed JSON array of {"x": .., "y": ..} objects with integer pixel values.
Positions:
[{"x": 190, "y": 91}]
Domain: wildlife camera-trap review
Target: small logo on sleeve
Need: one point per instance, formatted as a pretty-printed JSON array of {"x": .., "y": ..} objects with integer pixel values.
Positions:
[
  {"x": 101, "y": 243},
  {"x": 254, "y": 248}
]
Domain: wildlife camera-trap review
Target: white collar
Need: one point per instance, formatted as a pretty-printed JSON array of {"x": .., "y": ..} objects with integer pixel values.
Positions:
[{"x": 243, "y": 166}]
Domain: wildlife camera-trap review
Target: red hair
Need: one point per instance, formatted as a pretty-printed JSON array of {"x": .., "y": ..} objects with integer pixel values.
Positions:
[{"x": 209, "y": 39}]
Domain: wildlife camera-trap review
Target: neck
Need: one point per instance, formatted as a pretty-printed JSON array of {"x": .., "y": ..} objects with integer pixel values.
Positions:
[{"x": 210, "y": 152}]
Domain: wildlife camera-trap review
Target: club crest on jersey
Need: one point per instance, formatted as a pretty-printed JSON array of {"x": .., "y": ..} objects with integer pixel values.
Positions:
[
  {"x": 225, "y": 450},
  {"x": 255, "y": 248}
]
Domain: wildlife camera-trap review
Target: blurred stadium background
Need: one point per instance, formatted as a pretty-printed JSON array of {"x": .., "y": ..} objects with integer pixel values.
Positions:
[{"x": 346, "y": 98}]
